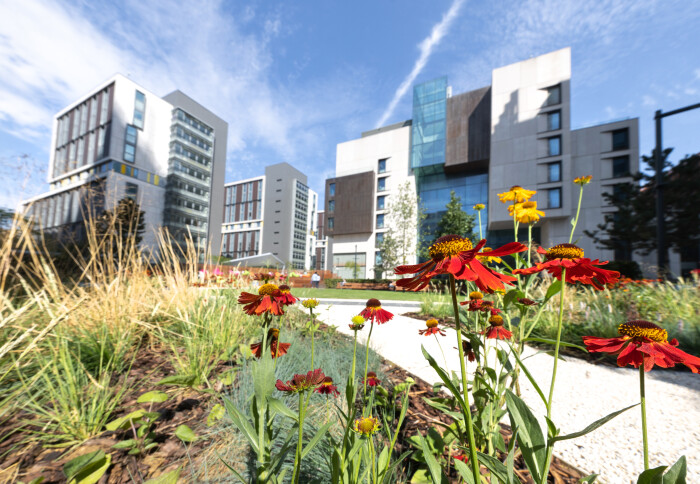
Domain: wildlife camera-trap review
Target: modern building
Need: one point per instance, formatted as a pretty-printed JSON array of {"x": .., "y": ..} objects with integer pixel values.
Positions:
[
  {"x": 168, "y": 153},
  {"x": 320, "y": 261},
  {"x": 516, "y": 131},
  {"x": 271, "y": 214}
]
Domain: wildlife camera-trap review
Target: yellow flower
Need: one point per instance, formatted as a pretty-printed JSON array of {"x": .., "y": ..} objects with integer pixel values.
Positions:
[
  {"x": 366, "y": 426},
  {"x": 516, "y": 194},
  {"x": 479, "y": 206},
  {"x": 583, "y": 180},
  {"x": 310, "y": 303},
  {"x": 527, "y": 213},
  {"x": 513, "y": 208},
  {"x": 487, "y": 259}
]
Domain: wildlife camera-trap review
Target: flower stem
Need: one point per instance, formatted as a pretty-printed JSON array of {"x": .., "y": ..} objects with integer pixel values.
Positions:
[
  {"x": 371, "y": 327},
  {"x": 645, "y": 439},
  {"x": 550, "y": 446},
  {"x": 297, "y": 457},
  {"x": 578, "y": 211},
  {"x": 354, "y": 358},
  {"x": 313, "y": 332},
  {"x": 473, "y": 459},
  {"x": 443, "y": 353},
  {"x": 481, "y": 234}
]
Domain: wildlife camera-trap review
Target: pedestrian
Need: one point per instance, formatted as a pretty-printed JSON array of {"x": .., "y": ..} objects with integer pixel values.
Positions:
[{"x": 315, "y": 279}]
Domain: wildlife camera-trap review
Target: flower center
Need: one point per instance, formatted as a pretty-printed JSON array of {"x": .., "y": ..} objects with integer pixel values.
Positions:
[
  {"x": 475, "y": 295},
  {"x": 373, "y": 303},
  {"x": 357, "y": 319},
  {"x": 328, "y": 381},
  {"x": 643, "y": 329},
  {"x": 448, "y": 246},
  {"x": 529, "y": 205},
  {"x": 273, "y": 333},
  {"x": 285, "y": 289},
  {"x": 564, "y": 251},
  {"x": 515, "y": 188},
  {"x": 267, "y": 289},
  {"x": 496, "y": 320},
  {"x": 366, "y": 425},
  {"x": 431, "y": 323},
  {"x": 371, "y": 374}
]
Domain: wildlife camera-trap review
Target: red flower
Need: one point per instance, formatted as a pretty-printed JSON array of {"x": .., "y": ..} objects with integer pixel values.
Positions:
[
  {"x": 496, "y": 330},
  {"x": 373, "y": 312},
  {"x": 285, "y": 298},
  {"x": 301, "y": 383},
  {"x": 642, "y": 342},
  {"x": 481, "y": 305},
  {"x": 266, "y": 301},
  {"x": 452, "y": 254},
  {"x": 526, "y": 301},
  {"x": 578, "y": 268},
  {"x": 468, "y": 350},
  {"x": 372, "y": 380},
  {"x": 463, "y": 458},
  {"x": 432, "y": 328},
  {"x": 276, "y": 349},
  {"x": 327, "y": 387}
]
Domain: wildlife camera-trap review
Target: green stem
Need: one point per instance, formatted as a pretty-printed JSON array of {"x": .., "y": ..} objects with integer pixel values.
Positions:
[
  {"x": 481, "y": 234},
  {"x": 443, "y": 353},
  {"x": 372, "y": 463},
  {"x": 550, "y": 446},
  {"x": 354, "y": 358},
  {"x": 466, "y": 408},
  {"x": 529, "y": 244},
  {"x": 578, "y": 210},
  {"x": 367, "y": 354},
  {"x": 645, "y": 439},
  {"x": 297, "y": 457},
  {"x": 313, "y": 332}
]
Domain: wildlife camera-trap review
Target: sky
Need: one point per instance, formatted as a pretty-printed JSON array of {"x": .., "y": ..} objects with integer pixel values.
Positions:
[{"x": 294, "y": 79}]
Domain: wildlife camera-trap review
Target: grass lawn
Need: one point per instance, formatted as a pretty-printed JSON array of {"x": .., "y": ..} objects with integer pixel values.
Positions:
[{"x": 304, "y": 292}]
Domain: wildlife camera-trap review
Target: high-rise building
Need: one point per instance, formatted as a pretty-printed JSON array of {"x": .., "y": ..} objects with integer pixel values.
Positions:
[
  {"x": 271, "y": 214},
  {"x": 516, "y": 131},
  {"x": 168, "y": 153}
]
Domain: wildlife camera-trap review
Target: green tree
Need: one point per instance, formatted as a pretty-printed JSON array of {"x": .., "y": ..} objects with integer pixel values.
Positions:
[
  {"x": 388, "y": 255},
  {"x": 123, "y": 225},
  {"x": 455, "y": 220}
]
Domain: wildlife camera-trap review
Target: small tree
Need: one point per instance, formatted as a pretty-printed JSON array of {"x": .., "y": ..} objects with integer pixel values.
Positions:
[
  {"x": 404, "y": 218},
  {"x": 121, "y": 228},
  {"x": 389, "y": 256},
  {"x": 455, "y": 220}
]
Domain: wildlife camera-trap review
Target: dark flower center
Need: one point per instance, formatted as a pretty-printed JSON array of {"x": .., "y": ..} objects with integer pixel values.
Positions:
[
  {"x": 273, "y": 333},
  {"x": 285, "y": 288},
  {"x": 643, "y": 329},
  {"x": 373, "y": 303},
  {"x": 328, "y": 381},
  {"x": 431, "y": 323},
  {"x": 371, "y": 374},
  {"x": 448, "y": 246},
  {"x": 267, "y": 289},
  {"x": 496, "y": 320},
  {"x": 564, "y": 251}
]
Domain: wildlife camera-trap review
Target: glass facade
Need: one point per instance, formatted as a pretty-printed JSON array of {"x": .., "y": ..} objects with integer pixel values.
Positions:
[{"x": 429, "y": 123}]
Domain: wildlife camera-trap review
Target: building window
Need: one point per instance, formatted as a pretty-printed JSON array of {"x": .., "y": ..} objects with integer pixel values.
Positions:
[
  {"x": 132, "y": 189},
  {"x": 554, "y": 172},
  {"x": 620, "y": 166},
  {"x": 381, "y": 202},
  {"x": 378, "y": 259},
  {"x": 381, "y": 166},
  {"x": 380, "y": 221},
  {"x": 620, "y": 139},
  {"x": 554, "y": 120},
  {"x": 381, "y": 184},
  {"x": 378, "y": 239},
  {"x": 139, "y": 109},
  {"x": 330, "y": 223},
  {"x": 331, "y": 189},
  {"x": 130, "y": 138},
  {"x": 331, "y": 205},
  {"x": 553, "y": 95},
  {"x": 554, "y": 198},
  {"x": 554, "y": 146}
]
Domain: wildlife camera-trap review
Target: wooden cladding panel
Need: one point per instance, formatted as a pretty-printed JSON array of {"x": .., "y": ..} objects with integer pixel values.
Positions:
[
  {"x": 468, "y": 128},
  {"x": 354, "y": 204}
]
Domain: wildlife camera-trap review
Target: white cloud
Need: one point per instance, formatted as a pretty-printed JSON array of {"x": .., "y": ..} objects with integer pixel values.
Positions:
[
  {"x": 648, "y": 101},
  {"x": 426, "y": 49}
]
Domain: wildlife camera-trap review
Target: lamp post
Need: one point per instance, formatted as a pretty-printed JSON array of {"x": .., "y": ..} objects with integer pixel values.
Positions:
[
  {"x": 661, "y": 250},
  {"x": 354, "y": 269}
]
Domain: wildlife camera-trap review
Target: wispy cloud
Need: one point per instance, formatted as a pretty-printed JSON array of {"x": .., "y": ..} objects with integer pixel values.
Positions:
[{"x": 426, "y": 49}]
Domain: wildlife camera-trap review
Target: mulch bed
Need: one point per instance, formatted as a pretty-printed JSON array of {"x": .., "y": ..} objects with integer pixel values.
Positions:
[{"x": 24, "y": 461}]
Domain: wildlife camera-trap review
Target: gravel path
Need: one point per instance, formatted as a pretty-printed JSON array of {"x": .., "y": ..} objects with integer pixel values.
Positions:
[{"x": 584, "y": 393}]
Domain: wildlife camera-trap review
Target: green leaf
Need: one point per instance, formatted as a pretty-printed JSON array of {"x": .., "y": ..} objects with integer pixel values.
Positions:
[
  {"x": 652, "y": 476},
  {"x": 494, "y": 465},
  {"x": 242, "y": 423},
  {"x": 167, "y": 478},
  {"x": 464, "y": 471},
  {"x": 383, "y": 459},
  {"x": 263, "y": 372},
  {"x": 87, "y": 468},
  {"x": 227, "y": 377},
  {"x": 677, "y": 473},
  {"x": 530, "y": 438},
  {"x": 278, "y": 406},
  {"x": 530, "y": 377},
  {"x": 215, "y": 414},
  {"x": 153, "y": 397},
  {"x": 598, "y": 423},
  {"x": 312, "y": 443},
  {"x": 552, "y": 290},
  {"x": 433, "y": 466},
  {"x": 446, "y": 379},
  {"x": 553, "y": 343},
  {"x": 125, "y": 444},
  {"x": 589, "y": 479},
  {"x": 421, "y": 476},
  {"x": 178, "y": 380},
  {"x": 123, "y": 423},
  {"x": 511, "y": 296},
  {"x": 184, "y": 433}
]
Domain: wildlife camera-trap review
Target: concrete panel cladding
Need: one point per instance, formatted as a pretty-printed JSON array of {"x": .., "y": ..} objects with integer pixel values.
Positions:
[
  {"x": 350, "y": 204},
  {"x": 468, "y": 135}
]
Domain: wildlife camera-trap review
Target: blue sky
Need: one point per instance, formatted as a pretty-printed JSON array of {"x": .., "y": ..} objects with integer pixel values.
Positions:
[{"x": 293, "y": 79}]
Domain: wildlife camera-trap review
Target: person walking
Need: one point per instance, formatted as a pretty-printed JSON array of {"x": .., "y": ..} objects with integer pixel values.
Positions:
[{"x": 315, "y": 279}]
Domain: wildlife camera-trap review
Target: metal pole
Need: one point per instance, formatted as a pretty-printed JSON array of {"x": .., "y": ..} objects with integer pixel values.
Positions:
[
  {"x": 660, "y": 213},
  {"x": 354, "y": 271}
]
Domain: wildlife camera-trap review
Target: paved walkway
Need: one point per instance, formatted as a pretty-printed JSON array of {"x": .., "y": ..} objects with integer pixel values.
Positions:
[{"x": 584, "y": 393}]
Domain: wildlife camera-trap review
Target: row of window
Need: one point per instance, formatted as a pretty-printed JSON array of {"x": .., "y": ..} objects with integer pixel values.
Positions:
[
  {"x": 84, "y": 118},
  {"x": 247, "y": 191},
  {"x": 189, "y": 187},
  {"x": 130, "y": 137},
  {"x": 191, "y": 138},
  {"x": 139, "y": 109},
  {"x": 300, "y": 225},
  {"x": 193, "y": 122},
  {"x": 296, "y": 255},
  {"x": 241, "y": 244},
  {"x": 181, "y": 150},
  {"x": 245, "y": 211},
  {"x": 190, "y": 204},
  {"x": 185, "y": 219},
  {"x": 299, "y": 245},
  {"x": 191, "y": 171},
  {"x": 82, "y": 151}
]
